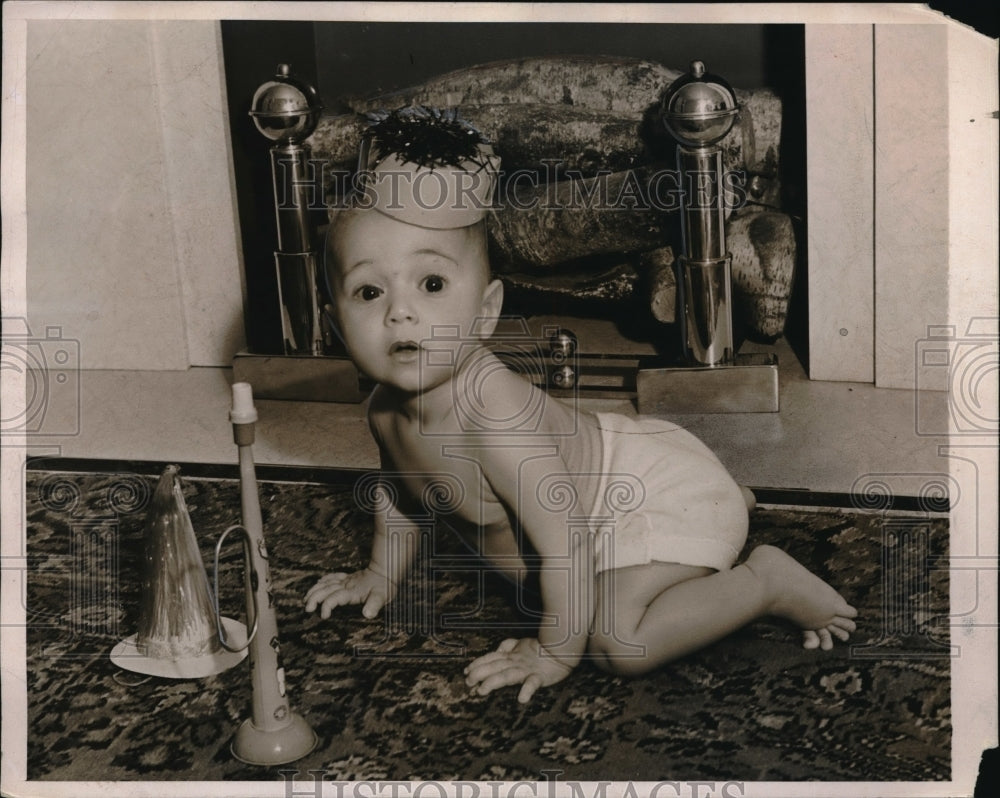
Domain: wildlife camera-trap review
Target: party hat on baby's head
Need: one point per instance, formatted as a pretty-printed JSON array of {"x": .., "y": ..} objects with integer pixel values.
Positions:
[{"x": 427, "y": 167}]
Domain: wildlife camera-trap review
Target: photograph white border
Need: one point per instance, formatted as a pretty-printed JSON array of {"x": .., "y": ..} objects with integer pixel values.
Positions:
[{"x": 974, "y": 673}]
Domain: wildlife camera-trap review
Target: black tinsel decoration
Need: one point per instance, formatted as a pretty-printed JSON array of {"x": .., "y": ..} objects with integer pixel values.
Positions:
[{"x": 428, "y": 137}]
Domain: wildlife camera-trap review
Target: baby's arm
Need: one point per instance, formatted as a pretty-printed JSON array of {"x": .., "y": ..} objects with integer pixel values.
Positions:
[
  {"x": 566, "y": 577},
  {"x": 376, "y": 585},
  {"x": 392, "y": 553}
]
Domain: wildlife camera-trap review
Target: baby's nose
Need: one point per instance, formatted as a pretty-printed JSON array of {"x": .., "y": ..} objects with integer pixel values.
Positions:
[{"x": 399, "y": 311}]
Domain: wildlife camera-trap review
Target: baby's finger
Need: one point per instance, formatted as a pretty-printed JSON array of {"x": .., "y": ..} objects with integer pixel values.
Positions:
[
  {"x": 810, "y": 639},
  {"x": 324, "y": 585},
  {"x": 499, "y": 655},
  {"x": 334, "y": 576},
  {"x": 316, "y": 596},
  {"x": 531, "y": 684},
  {"x": 511, "y": 675},
  {"x": 480, "y": 671},
  {"x": 486, "y": 659},
  {"x": 330, "y": 579},
  {"x": 337, "y": 599},
  {"x": 375, "y": 602}
]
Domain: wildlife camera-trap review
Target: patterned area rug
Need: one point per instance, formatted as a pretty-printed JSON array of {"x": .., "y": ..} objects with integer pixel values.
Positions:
[{"x": 387, "y": 697}]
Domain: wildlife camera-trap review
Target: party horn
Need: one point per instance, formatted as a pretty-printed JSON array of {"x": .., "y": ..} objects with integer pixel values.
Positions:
[{"x": 274, "y": 734}]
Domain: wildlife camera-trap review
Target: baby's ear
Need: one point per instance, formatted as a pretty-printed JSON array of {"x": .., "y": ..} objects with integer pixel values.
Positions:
[{"x": 489, "y": 311}]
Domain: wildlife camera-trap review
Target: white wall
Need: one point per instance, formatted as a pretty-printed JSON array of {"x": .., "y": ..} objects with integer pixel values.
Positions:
[
  {"x": 132, "y": 239},
  {"x": 840, "y": 124},
  {"x": 902, "y": 225},
  {"x": 973, "y": 194}
]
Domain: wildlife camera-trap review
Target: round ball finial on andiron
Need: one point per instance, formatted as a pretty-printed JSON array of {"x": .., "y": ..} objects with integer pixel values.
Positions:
[
  {"x": 285, "y": 109},
  {"x": 699, "y": 108}
]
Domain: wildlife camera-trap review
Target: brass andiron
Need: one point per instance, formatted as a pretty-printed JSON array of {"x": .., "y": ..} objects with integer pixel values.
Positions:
[
  {"x": 285, "y": 110},
  {"x": 699, "y": 110},
  {"x": 274, "y": 734}
]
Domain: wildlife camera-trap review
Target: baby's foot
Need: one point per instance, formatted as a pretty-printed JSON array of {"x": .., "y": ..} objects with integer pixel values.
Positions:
[{"x": 801, "y": 597}]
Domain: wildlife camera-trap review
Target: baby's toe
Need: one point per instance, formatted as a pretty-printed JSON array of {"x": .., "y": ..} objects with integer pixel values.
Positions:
[
  {"x": 844, "y": 623},
  {"x": 839, "y": 633}
]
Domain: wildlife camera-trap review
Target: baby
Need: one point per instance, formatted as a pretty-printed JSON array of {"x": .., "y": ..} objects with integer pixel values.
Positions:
[{"x": 632, "y": 526}]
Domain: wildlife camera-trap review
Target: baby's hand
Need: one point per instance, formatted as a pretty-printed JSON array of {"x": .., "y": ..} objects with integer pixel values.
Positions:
[
  {"x": 366, "y": 587},
  {"x": 522, "y": 662}
]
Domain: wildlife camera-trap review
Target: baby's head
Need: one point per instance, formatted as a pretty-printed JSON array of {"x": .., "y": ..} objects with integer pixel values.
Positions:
[
  {"x": 367, "y": 245},
  {"x": 407, "y": 264}
]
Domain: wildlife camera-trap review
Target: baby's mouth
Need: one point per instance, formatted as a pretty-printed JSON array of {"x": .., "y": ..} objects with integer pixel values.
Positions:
[{"x": 403, "y": 347}]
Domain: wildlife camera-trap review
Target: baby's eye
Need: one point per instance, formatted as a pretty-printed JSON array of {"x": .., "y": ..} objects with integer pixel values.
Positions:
[
  {"x": 433, "y": 284},
  {"x": 368, "y": 292}
]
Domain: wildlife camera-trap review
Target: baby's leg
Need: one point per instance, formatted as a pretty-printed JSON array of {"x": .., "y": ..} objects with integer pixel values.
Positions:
[
  {"x": 803, "y": 598},
  {"x": 650, "y": 614}
]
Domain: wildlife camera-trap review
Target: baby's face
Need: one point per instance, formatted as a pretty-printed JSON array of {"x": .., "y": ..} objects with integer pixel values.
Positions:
[{"x": 408, "y": 298}]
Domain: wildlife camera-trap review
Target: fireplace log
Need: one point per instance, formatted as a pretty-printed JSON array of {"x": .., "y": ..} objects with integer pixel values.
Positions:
[
  {"x": 658, "y": 267},
  {"x": 607, "y": 287},
  {"x": 608, "y": 83},
  {"x": 763, "y": 247},
  {"x": 552, "y": 142},
  {"x": 624, "y": 88},
  {"x": 759, "y": 127},
  {"x": 587, "y": 112},
  {"x": 603, "y": 286},
  {"x": 547, "y": 140},
  {"x": 540, "y": 226},
  {"x": 553, "y": 139},
  {"x": 590, "y": 115},
  {"x": 762, "y": 244},
  {"x": 336, "y": 142}
]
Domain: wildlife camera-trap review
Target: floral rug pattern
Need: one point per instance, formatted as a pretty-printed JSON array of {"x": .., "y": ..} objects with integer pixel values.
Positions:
[{"x": 387, "y": 697}]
